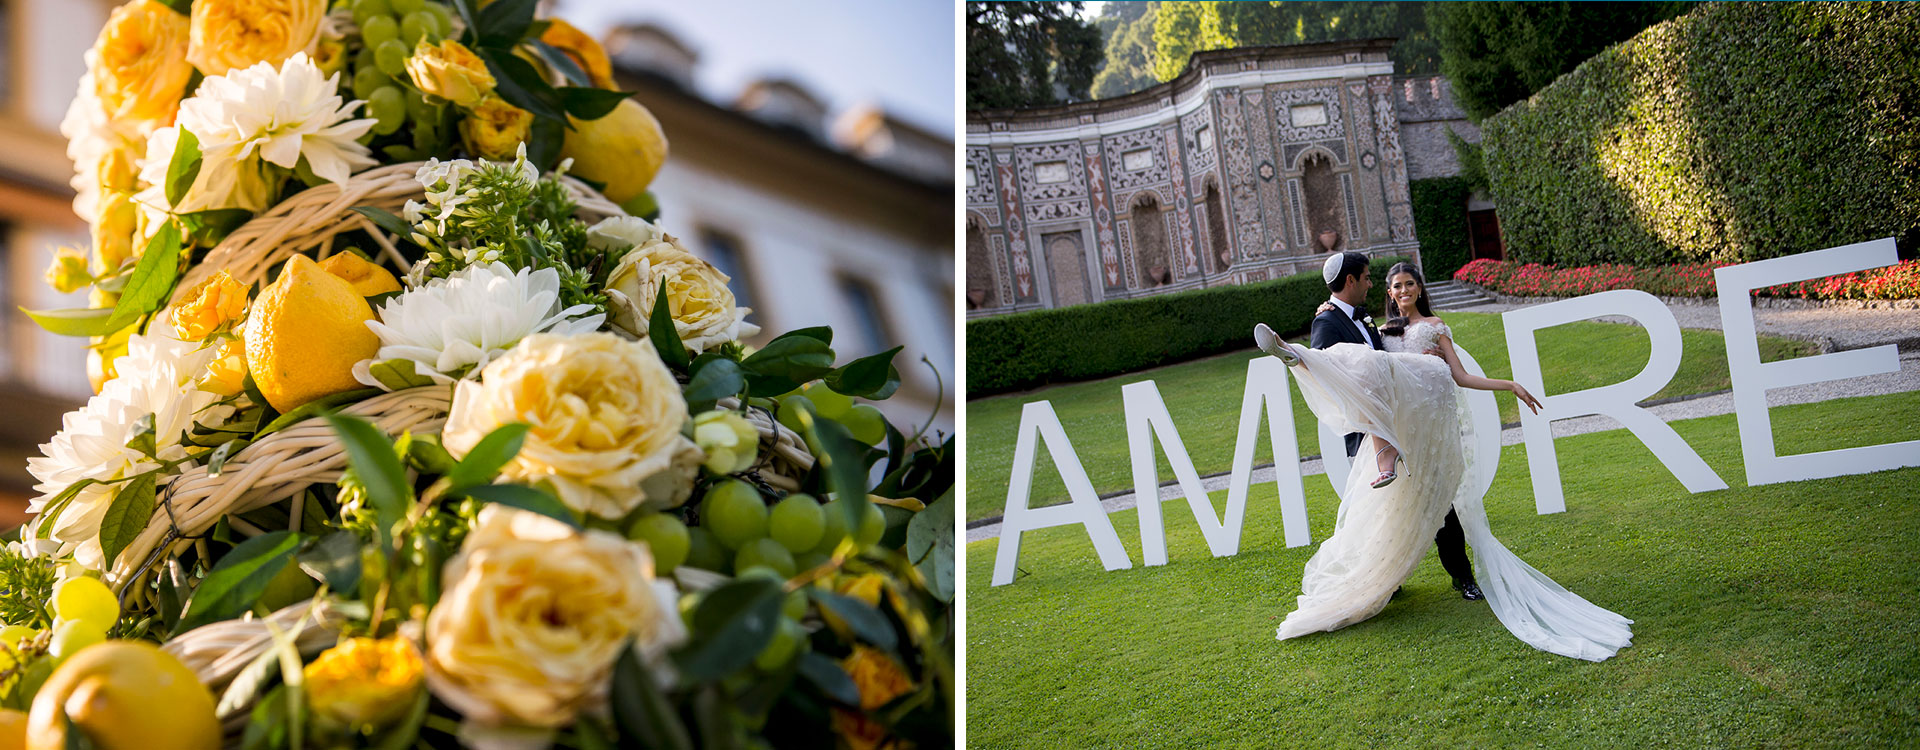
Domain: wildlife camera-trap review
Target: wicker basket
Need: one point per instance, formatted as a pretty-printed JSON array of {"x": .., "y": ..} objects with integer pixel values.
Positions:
[{"x": 282, "y": 465}]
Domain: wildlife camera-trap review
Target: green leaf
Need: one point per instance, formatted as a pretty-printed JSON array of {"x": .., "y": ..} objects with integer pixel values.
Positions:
[
  {"x": 666, "y": 338},
  {"x": 544, "y": 140},
  {"x": 334, "y": 559},
  {"x": 467, "y": 19},
  {"x": 398, "y": 374},
  {"x": 267, "y": 724},
  {"x": 839, "y": 455},
  {"x": 132, "y": 508},
  {"x": 152, "y": 278},
  {"x": 76, "y": 321},
  {"x": 521, "y": 85},
  {"x": 930, "y": 545},
  {"x": 407, "y": 732},
  {"x": 642, "y": 709},
  {"x": 504, "y": 22},
  {"x": 239, "y": 579},
  {"x": 315, "y": 408},
  {"x": 737, "y": 620},
  {"x": 589, "y": 103},
  {"x": 786, "y": 362},
  {"x": 827, "y": 675},
  {"x": 866, "y": 621},
  {"x": 823, "y": 334},
  {"x": 185, "y": 167},
  {"x": 486, "y": 458},
  {"x": 181, "y": 7},
  {"x": 562, "y": 62},
  {"x": 252, "y": 389},
  {"x": 207, "y": 228},
  {"x": 241, "y": 691},
  {"x": 142, "y": 440},
  {"x": 525, "y": 498},
  {"x": 373, "y": 460},
  {"x": 715, "y": 379},
  {"x": 867, "y": 376},
  {"x": 385, "y": 220}
]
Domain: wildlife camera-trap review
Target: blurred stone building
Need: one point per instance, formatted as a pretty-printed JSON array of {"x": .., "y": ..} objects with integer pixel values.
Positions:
[
  {"x": 1253, "y": 164},
  {"x": 843, "y": 220}
]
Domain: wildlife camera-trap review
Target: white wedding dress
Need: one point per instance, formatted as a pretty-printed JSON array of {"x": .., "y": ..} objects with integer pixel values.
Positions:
[{"x": 1407, "y": 397}]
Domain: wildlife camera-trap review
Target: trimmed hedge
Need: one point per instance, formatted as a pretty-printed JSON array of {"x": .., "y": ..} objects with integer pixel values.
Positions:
[
  {"x": 1083, "y": 342},
  {"x": 1440, "y": 220},
  {"x": 1899, "y": 281},
  {"x": 1737, "y": 132}
]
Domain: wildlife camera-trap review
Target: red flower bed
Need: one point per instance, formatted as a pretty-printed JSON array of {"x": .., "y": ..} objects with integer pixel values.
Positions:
[{"x": 1900, "y": 281}]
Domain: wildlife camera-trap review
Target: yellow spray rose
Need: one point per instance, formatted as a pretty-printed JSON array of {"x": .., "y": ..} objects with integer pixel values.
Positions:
[
  {"x": 140, "y": 68},
  {"x": 880, "y": 680},
  {"x": 213, "y": 305},
  {"x": 117, "y": 216},
  {"x": 226, "y": 375},
  {"x": 233, "y": 34},
  {"x": 365, "y": 682},
  {"x": 450, "y": 71},
  {"x": 583, "y": 48},
  {"x": 495, "y": 129},
  {"x": 68, "y": 272},
  {"x": 606, "y": 416},
  {"x": 697, "y": 293},
  {"x": 535, "y": 614}
]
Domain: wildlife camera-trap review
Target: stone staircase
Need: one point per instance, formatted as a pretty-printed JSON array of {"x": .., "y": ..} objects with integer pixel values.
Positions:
[{"x": 1452, "y": 295}]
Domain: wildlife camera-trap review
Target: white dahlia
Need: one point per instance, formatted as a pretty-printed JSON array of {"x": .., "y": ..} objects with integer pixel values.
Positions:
[
  {"x": 155, "y": 377},
  {"x": 452, "y": 327}
]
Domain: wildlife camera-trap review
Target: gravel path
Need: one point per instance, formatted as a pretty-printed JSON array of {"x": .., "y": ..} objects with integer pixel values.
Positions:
[{"x": 1834, "y": 329}]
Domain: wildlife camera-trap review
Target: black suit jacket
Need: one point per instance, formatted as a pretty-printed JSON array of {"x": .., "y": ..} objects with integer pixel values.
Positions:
[{"x": 1334, "y": 327}]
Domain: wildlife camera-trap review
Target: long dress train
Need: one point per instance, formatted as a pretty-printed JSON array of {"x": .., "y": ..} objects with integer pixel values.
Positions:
[{"x": 1409, "y": 399}]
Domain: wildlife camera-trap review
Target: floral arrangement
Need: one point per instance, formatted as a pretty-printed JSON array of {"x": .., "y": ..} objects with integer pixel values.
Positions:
[
  {"x": 1900, "y": 281},
  {"x": 491, "y": 467}
]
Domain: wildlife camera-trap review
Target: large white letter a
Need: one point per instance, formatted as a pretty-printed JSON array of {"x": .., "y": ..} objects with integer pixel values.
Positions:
[{"x": 1037, "y": 420}]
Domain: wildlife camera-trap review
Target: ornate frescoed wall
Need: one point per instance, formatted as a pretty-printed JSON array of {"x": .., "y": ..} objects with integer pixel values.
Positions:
[{"x": 1253, "y": 164}]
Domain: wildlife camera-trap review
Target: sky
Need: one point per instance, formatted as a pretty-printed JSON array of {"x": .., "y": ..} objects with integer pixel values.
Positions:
[{"x": 897, "y": 53}]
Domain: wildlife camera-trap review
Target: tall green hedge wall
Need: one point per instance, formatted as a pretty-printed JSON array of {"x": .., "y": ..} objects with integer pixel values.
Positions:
[
  {"x": 1440, "y": 217},
  {"x": 1737, "y": 132},
  {"x": 1032, "y": 349}
]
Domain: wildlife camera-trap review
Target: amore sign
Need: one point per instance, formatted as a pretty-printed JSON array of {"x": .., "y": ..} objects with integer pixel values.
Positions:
[{"x": 1266, "y": 390}]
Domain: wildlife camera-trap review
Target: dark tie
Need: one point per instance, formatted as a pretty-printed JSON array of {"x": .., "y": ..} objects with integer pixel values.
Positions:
[
  {"x": 1372, "y": 339},
  {"x": 1359, "y": 314}
]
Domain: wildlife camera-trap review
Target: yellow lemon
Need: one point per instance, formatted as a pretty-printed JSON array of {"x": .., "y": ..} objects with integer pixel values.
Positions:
[
  {"x": 304, "y": 334},
  {"x": 367, "y": 279},
  {"x": 622, "y": 150},
  {"x": 124, "y": 695},
  {"x": 13, "y": 729}
]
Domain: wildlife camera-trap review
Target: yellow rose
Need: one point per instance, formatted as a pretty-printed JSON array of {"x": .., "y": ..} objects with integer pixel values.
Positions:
[
  {"x": 140, "y": 68},
  {"x": 365, "y": 682},
  {"x": 233, "y": 34},
  {"x": 213, "y": 305},
  {"x": 495, "y": 129},
  {"x": 450, "y": 71},
  {"x": 227, "y": 374},
  {"x": 535, "y": 614},
  {"x": 697, "y": 293},
  {"x": 68, "y": 272},
  {"x": 585, "y": 51},
  {"x": 880, "y": 680},
  {"x": 117, "y": 216},
  {"x": 104, "y": 351},
  {"x": 606, "y": 416}
]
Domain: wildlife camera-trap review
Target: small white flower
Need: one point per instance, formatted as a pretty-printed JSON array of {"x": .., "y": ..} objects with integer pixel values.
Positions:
[{"x": 454, "y": 326}]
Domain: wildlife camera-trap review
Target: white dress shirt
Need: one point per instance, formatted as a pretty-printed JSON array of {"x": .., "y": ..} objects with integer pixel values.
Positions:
[{"x": 1347, "y": 310}]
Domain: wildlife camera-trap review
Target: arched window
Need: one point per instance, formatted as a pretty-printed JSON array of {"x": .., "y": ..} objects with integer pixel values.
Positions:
[
  {"x": 1219, "y": 255},
  {"x": 1150, "y": 242}
]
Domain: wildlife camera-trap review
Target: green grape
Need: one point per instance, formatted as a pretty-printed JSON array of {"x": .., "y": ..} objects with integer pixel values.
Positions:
[
  {"x": 764, "y": 552},
  {"x": 367, "y": 80},
  {"x": 790, "y": 408},
  {"x": 835, "y": 530},
  {"x": 704, "y": 551},
  {"x": 391, "y": 56},
  {"x": 419, "y": 25},
  {"x": 689, "y": 602},
  {"x": 403, "y": 7},
  {"x": 797, "y": 522},
  {"x": 666, "y": 538},
  {"x": 443, "y": 18},
  {"x": 866, "y": 423},
  {"x": 418, "y": 110},
  {"x": 782, "y": 647},
  {"x": 363, "y": 58},
  {"x": 828, "y": 402},
  {"x": 13, "y": 635},
  {"x": 795, "y": 606},
  {"x": 389, "y": 108},
  {"x": 69, "y": 636},
  {"x": 736, "y": 514},
  {"x": 872, "y": 527},
  {"x": 367, "y": 10},
  {"x": 86, "y": 599},
  {"x": 809, "y": 560},
  {"x": 379, "y": 30},
  {"x": 760, "y": 572}
]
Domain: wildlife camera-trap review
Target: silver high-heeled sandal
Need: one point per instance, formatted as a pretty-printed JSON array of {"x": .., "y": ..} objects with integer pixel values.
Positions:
[
  {"x": 1270, "y": 342},
  {"x": 1386, "y": 477}
]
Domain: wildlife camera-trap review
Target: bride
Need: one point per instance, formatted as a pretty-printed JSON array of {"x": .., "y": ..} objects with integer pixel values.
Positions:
[{"x": 1407, "y": 399}]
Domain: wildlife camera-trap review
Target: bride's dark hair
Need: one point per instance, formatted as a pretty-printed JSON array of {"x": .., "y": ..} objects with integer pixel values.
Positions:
[{"x": 1397, "y": 323}]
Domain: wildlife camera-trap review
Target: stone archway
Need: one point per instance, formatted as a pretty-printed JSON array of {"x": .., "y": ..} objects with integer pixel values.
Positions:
[
  {"x": 1326, "y": 214},
  {"x": 1066, "y": 268},
  {"x": 1150, "y": 242},
  {"x": 1219, "y": 254},
  {"x": 982, "y": 288}
]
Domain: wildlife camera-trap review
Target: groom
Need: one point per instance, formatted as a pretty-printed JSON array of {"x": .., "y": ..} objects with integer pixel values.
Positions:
[{"x": 1348, "y": 323}]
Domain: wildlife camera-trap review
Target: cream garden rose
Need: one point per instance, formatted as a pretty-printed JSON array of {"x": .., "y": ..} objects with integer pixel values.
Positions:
[
  {"x": 232, "y": 34},
  {"x": 140, "y": 67},
  {"x": 697, "y": 295},
  {"x": 450, "y": 71},
  {"x": 534, "y": 617},
  {"x": 606, "y": 416}
]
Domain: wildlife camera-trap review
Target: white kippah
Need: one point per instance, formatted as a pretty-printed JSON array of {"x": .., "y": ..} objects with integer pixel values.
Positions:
[{"x": 1331, "y": 271}]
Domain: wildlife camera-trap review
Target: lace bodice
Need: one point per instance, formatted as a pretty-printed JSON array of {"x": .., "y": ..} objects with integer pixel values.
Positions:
[{"x": 1421, "y": 338}]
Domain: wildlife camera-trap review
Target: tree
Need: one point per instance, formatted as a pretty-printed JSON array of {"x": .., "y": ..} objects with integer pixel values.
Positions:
[
  {"x": 1496, "y": 54},
  {"x": 1183, "y": 28},
  {"x": 1028, "y": 54},
  {"x": 1128, "y": 28}
]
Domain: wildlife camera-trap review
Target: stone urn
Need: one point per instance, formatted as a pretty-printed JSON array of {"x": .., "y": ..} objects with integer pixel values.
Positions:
[
  {"x": 1329, "y": 239},
  {"x": 1159, "y": 275}
]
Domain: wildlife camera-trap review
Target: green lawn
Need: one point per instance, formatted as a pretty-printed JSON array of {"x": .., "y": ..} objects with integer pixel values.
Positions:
[
  {"x": 1776, "y": 615},
  {"x": 1204, "y": 399}
]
